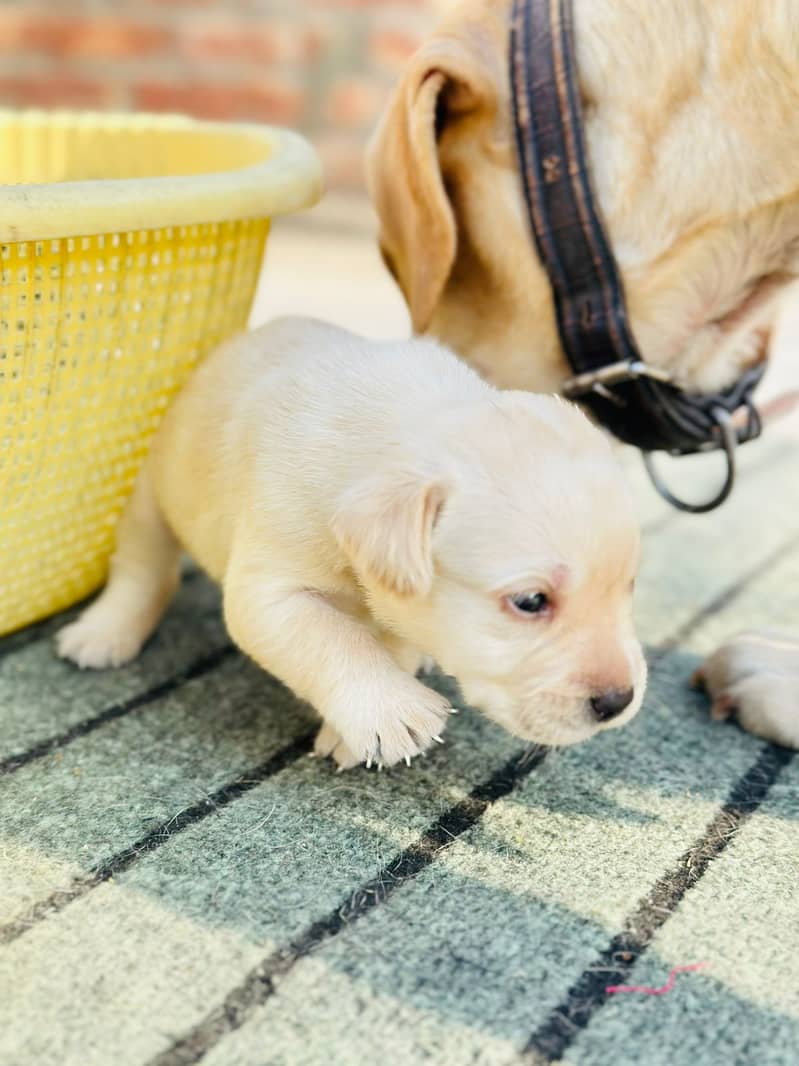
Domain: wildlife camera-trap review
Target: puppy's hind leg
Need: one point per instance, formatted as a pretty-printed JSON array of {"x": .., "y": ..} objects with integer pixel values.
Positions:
[{"x": 145, "y": 571}]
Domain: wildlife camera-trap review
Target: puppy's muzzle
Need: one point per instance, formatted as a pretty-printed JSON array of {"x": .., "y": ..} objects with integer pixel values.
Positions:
[{"x": 609, "y": 704}]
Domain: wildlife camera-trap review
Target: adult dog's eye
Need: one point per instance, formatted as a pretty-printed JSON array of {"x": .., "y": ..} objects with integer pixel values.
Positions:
[{"x": 529, "y": 602}]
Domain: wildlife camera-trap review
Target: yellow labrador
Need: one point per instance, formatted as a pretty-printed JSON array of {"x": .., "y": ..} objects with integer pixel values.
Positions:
[
  {"x": 693, "y": 137},
  {"x": 365, "y": 505}
]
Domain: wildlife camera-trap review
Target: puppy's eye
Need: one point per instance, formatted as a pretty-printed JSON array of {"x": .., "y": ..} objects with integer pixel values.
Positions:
[{"x": 529, "y": 602}]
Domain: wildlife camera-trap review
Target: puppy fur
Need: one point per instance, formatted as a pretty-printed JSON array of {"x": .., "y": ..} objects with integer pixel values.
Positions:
[
  {"x": 693, "y": 144},
  {"x": 364, "y": 505}
]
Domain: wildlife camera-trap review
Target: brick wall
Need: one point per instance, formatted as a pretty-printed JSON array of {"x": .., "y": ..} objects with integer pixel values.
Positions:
[{"x": 323, "y": 66}]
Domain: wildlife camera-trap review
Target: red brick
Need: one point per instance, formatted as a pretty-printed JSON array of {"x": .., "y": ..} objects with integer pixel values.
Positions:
[
  {"x": 279, "y": 102},
  {"x": 319, "y": 65},
  {"x": 65, "y": 36},
  {"x": 55, "y": 90},
  {"x": 269, "y": 42},
  {"x": 12, "y": 29},
  {"x": 111, "y": 39}
]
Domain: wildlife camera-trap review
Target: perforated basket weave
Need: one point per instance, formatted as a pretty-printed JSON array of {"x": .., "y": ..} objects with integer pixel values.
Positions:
[{"x": 129, "y": 247}]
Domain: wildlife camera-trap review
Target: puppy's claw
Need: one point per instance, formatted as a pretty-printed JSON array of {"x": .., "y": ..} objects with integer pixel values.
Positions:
[
  {"x": 340, "y": 769},
  {"x": 438, "y": 740},
  {"x": 453, "y": 710},
  {"x": 379, "y": 767},
  {"x": 407, "y": 760},
  {"x": 369, "y": 763}
]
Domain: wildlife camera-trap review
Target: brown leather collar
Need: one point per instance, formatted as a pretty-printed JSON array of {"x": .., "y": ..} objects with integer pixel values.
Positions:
[{"x": 639, "y": 404}]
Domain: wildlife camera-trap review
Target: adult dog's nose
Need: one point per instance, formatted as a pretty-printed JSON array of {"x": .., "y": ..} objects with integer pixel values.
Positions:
[{"x": 611, "y": 703}]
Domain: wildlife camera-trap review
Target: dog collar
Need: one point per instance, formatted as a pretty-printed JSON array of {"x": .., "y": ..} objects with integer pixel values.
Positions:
[{"x": 639, "y": 404}]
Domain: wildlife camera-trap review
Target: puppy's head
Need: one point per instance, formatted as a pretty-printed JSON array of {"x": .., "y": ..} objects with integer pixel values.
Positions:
[{"x": 507, "y": 550}]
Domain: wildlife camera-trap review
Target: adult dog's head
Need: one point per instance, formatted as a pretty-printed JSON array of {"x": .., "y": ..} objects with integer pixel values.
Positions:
[{"x": 691, "y": 124}]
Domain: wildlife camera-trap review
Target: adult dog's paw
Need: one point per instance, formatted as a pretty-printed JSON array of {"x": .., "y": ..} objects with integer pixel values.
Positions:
[{"x": 755, "y": 677}]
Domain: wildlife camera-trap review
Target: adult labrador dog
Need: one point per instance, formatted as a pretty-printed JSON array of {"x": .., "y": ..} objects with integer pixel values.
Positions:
[{"x": 691, "y": 121}]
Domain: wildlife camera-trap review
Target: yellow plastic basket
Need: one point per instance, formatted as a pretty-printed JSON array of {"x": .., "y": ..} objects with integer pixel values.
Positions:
[{"x": 129, "y": 247}]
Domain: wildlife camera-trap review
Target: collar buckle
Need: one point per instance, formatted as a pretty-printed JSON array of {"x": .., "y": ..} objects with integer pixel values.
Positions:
[{"x": 605, "y": 377}]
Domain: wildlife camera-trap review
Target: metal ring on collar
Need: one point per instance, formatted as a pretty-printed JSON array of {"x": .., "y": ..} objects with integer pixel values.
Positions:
[
  {"x": 729, "y": 442},
  {"x": 609, "y": 375}
]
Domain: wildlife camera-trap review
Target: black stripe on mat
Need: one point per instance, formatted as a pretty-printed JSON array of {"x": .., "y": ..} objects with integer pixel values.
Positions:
[
  {"x": 117, "y": 710},
  {"x": 587, "y": 996},
  {"x": 162, "y": 833},
  {"x": 259, "y": 984}
]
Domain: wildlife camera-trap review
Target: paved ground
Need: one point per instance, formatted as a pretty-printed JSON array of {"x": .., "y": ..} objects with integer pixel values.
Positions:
[
  {"x": 326, "y": 263},
  {"x": 178, "y": 883}
]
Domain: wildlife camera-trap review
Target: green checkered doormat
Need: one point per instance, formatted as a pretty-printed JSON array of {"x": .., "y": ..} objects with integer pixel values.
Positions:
[{"x": 179, "y": 883}]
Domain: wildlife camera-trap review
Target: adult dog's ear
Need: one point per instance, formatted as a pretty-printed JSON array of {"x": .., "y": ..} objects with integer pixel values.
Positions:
[
  {"x": 385, "y": 526},
  {"x": 444, "y": 84}
]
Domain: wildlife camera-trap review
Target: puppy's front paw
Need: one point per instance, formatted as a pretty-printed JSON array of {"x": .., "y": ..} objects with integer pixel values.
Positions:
[
  {"x": 96, "y": 642},
  {"x": 329, "y": 745},
  {"x": 756, "y": 678},
  {"x": 396, "y": 727}
]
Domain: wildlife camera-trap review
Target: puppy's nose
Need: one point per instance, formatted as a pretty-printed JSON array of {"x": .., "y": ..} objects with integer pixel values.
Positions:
[{"x": 611, "y": 703}]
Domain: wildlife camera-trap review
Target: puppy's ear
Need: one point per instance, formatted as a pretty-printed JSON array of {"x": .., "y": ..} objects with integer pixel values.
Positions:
[
  {"x": 385, "y": 527},
  {"x": 418, "y": 231}
]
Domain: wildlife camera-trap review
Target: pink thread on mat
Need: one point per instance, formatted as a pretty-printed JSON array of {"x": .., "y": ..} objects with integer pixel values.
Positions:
[{"x": 647, "y": 991}]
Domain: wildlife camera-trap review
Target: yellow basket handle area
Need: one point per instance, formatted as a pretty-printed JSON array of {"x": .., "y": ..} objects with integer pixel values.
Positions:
[{"x": 68, "y": 173}]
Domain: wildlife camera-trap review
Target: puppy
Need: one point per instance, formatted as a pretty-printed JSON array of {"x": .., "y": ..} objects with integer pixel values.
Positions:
[
  {"x": 364, "y": 505},
  {"x": 755, "y": 676}
]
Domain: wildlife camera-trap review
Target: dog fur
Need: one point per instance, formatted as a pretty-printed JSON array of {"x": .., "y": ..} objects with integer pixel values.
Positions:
[
  {"x": 364, "y": 505},
  {"x": 755, "y": 677},
  {"x": 693, "y": 143}
]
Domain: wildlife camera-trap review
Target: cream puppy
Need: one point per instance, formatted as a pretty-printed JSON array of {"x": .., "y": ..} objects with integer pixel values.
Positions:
[{"x": 364, "y": 505}]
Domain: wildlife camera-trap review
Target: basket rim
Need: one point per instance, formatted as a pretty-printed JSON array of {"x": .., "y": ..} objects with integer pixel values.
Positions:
[{"x": 289, "y": 180}]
